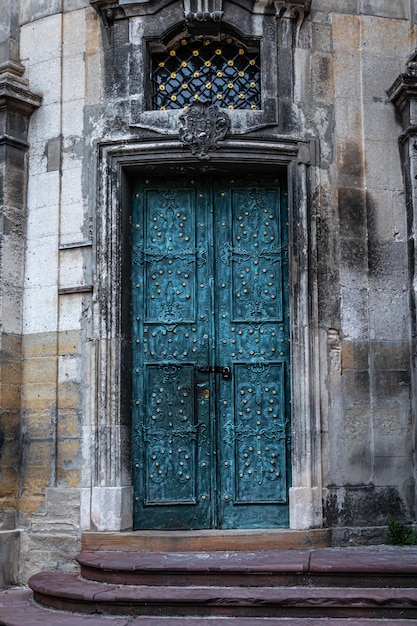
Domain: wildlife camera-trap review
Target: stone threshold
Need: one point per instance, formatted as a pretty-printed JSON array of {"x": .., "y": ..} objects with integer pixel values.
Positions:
[{"x": 207, "y": 540}]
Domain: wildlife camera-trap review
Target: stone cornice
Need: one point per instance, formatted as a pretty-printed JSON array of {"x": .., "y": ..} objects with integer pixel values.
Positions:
[
  {"x": 16, "y": 97},
  {"x": 403, "y": 89},
  {"x": 293, "y": 9}
]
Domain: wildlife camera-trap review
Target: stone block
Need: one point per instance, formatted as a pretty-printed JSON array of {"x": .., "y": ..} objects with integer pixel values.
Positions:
[
  {"x": 12, "y": 310},
  {"x": 53, "y": 154},
  {"x": 68, "y": 423},
  {"x": 356, "y": 387},
  {"x": 75, "y": 5},
  {"x": 73, "y": 117},
  {"x": 10, "y": 362},
  {"x": 389, "y": 315},
  {"x": 338, "y": 6},
  {"x": 72, "y": 223},
  {"x": 352, "y": 212},
  {"x": 55, "y": 496},
  {"x": 400, "y": 9},
  {"x": 30, "y": 503},
  {"x": 69, "y": 368},
  {"x": 69, "y": 342},
  {"x": 70, "y": 310},
  {"x": 321, "y": 36},
  {"x": 48, "y": 551},
  {"x": 354, "y": 313},
  {"x": 379, "y": 118},
  {"x": 44, "y": 79},
  {"x": 68, "y": 477},
  {"x": 347, "y": 82},
  {"x": 364, "y": 505},
  {"x": 74, "y": 31},
  {"x": 111, "y": 508},
  {"x": 383, "y": 165},
  {"x": 73, "y": 266},
  {"x": 93, "y": 60},
  {"x": 387, "y": 214},
  {"x": 43, "y": 196},
  {"x": 348, "y": 118},
  {"x": 68, "y": 455},
  {"x": 9, "y": 485},
  {"x": 398, "y": 443},
  {"x": 40, "y": 309},
  {"x": 10, "y": 396},
  {"x": 38, "y": 455},
  {"x": 305, "y": 507},
  {"x": 38, "y": 396},
  {"x": 392, "y": 384},
  {"x": 353, "y": 261},
  {"x": 387, "y": 263},
  {"x": 322, "y": 77},
  {"x": 40, "y": 39},
  {"x": 42, "y": 263},
  {"x": 39, "y": 345},
  {"x": 45, "y": 123},
  {"x": 73, "y": 87},
  {"x": 350, "y": 163},
  {"x": 9, "y": 558},
  {"x": 392, "y": 470},
  {"x": 38, "y": 424},
  {"x": 391, "y": 355},
  {"x": 390, "y": 419},
  {"x": 68, "y": 395},
  {"x": 40, "y": 370}
]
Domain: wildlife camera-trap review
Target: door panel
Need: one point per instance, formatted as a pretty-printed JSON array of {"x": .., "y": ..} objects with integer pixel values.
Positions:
[
  {"x": 253, "y": 326},
  {"x": 209, "y": 285},
  {"x": 170, "y": 411}
]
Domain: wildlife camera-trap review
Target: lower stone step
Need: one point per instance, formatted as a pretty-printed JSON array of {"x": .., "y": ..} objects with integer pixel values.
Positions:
[
  {"x": 18, "y": 609},
  {"x": 70, "y": 592}
]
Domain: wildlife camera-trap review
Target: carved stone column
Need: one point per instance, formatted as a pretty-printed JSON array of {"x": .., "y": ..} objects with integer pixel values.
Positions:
[{"x": 403, "y": 94}]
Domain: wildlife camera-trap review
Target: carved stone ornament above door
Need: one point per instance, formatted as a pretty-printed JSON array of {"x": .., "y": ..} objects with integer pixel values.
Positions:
[{"x": 202, "y": 126}]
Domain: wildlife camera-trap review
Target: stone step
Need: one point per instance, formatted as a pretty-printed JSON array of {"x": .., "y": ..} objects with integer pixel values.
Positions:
[
  {"x": 71, "y": 592},
  {"x": 17, "y": 609},
  {"x": 336, "y": 567}
]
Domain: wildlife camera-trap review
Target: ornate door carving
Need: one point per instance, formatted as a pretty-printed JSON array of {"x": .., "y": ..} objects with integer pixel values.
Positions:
[{"x": 210, "y": 353}]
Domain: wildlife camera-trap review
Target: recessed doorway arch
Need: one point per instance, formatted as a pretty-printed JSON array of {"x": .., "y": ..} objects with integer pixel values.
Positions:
[{"x": 122, "y": 164}]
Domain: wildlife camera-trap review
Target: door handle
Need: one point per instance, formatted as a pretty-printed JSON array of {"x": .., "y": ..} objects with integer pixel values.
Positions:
[{"x": 225, "y": 372}]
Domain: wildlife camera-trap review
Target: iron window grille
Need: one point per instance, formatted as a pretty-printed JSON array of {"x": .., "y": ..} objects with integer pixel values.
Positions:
[{"x": 212, "y": 69}]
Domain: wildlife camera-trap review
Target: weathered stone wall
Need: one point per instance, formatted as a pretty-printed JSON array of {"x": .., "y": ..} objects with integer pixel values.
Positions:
[
  {"x": 57, "y": 289},
  {"x": 334, "y": 84},
  {"x": 358, "y": 49}
]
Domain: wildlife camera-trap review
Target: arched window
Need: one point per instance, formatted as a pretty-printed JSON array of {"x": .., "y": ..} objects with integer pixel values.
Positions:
[{"x": 213, "y": 69}]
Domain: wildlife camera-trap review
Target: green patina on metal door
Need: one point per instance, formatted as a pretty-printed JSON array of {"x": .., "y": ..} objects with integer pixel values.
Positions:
[{"x": 210, "y": 336}]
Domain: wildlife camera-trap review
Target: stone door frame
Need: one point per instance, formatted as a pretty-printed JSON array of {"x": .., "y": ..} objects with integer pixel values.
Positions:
[{"x": 110, "y": 436}]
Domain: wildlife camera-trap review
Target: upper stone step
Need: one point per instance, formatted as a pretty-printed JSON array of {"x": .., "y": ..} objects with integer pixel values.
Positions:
[{"x": 339, "y": 567}]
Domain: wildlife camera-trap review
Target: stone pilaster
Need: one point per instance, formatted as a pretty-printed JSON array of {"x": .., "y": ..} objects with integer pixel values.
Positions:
[
  {"x": 17, "y": 104},
  {"x": 403, "y": 94}
]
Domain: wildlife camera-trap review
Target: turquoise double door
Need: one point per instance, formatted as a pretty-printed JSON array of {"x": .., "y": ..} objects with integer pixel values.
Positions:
[{"x": 210, "y": 353}]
